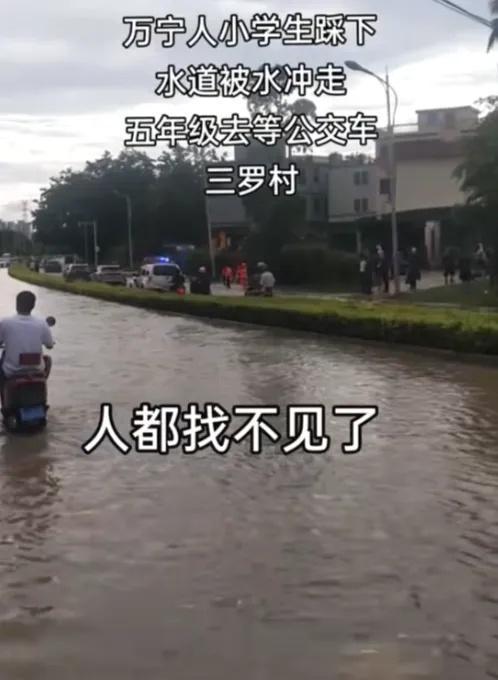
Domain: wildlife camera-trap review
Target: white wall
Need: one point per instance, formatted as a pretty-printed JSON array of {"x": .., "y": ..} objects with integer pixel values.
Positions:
[
  {"x": 343, "y": 192},
  {"x": 428, "y": 184}
]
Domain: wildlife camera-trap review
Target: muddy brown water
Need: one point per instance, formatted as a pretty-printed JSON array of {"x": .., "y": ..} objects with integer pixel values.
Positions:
[{"x": 377, "y": 566}]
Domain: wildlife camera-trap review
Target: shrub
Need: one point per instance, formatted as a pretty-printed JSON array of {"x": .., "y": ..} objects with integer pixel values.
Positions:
[
  {"x": 303, "y": 264},
  {"x": 408, "y": 324}
]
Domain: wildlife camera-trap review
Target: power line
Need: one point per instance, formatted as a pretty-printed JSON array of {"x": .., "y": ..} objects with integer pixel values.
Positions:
[{"x": 464, "y": 12}]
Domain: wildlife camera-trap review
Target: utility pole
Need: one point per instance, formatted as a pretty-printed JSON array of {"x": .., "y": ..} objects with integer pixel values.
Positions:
[
  {"x": 210, "y": 239},
  {"x": 392, "y": 186},
  {"x": 96, "y": 249},
  {"x": 129, "y": 216}
]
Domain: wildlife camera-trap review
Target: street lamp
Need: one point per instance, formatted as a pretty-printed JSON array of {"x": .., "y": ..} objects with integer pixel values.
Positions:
[
  {"x": 129, "y": 218},
  {"x": 92, "y": 223},
  {"x": 212, "y": 256},
  {"x": 391, "y": 117}
]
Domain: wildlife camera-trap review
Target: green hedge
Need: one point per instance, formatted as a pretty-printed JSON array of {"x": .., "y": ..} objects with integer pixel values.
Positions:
[
  {"x": 314, "y": 263},
  {"x": 456, "y": 330}
]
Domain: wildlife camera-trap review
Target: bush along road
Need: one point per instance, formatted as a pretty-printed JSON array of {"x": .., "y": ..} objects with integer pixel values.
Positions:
[{"x": 448, "y": 329}]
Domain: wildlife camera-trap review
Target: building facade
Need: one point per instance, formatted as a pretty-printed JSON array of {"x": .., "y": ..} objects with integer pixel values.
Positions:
[
  {"x": 228, "y": 217},
  {"x": 426, "y": 155},
  {"x": 348, "y": 198}
]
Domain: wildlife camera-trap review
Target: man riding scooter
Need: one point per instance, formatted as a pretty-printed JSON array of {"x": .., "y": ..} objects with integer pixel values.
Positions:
[
  {"x": 23, "y": 337},
  {"x": 262, "y": 282}
]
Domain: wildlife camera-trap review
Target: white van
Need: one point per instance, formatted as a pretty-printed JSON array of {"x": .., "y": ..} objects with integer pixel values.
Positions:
[{"x": 158, "y": 276}]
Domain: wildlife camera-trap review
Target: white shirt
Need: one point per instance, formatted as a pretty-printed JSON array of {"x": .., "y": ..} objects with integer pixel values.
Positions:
[
  {"x": 23, "y": 334},
  {"x": 267, "y": 280}
]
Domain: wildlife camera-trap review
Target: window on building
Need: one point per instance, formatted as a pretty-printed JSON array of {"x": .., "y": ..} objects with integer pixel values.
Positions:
[
  {"x": 364, "y": 205},
  {"x": 364, "y": 177},
  {"x": 357, "y": 205},
  {"x": 432, "y": 118},
  {"x": 385, "y": 187},
  {"x": 449, "y": 119},
  {"x": 357, "y": 178}
]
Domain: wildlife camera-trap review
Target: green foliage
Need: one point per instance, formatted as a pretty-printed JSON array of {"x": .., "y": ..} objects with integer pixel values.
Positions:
[
  {"x": 479, "y": 172},
  {"x": 302, "y": 264},
  {"x": 479, "y": 178},
  {"x": 444, "y": 329},
  {"x": 166, "y": 197}
]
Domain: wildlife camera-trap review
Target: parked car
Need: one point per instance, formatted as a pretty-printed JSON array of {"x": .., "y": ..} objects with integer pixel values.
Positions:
[
  {"x": 51, "y": 267},
  {"x": 109, "y": 273},
  {"x": 77, "y": 272}
]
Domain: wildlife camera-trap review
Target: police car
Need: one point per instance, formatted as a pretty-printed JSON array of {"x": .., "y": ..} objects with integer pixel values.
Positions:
[{"x": 160, "y": 274}]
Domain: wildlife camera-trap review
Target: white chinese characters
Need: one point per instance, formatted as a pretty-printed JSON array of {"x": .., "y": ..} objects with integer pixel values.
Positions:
[{"x": 162, "y": 429}]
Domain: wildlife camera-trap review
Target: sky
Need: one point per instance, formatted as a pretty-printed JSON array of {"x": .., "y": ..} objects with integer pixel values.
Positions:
[{"x": 67, "y": 83}]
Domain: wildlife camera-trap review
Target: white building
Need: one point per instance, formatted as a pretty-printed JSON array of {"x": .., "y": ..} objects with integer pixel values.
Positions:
[
  {"x": 353, "y": 189},
  {"x": 427, "y": 155}
]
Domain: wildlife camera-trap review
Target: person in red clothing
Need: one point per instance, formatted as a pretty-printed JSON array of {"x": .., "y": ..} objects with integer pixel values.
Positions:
[
  {"x": 227, "y": 276},
  {"x": 242, "y": 275}
]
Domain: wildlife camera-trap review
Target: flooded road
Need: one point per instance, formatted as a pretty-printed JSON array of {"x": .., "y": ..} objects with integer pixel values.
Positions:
[{"x": 378, "y": 566}]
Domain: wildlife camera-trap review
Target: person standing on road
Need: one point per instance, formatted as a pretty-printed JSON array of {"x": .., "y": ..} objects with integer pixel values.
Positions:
[
  {"x": 382, "y": 270},
  {"x": 227, "y": 276},
  {"x": 201, "y": 284},
  {"x": 449, "y": 266},
  {"x": 365, "y": 274},
  {"x": 465, "y": 267},
  {"x": 481, "y": 259},
  {"x": 242, "y": 275},
  {"x": 413, "y": 270}
]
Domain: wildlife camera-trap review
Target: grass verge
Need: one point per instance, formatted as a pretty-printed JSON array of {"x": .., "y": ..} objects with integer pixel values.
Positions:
[
  {"x": 472, "y": 294},
  {"x": 449, "y": 329}
]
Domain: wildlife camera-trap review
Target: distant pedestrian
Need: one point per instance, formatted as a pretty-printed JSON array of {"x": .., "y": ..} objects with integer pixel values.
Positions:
[
  {"x": 267, "y": 281},
  {"x": 242, "y": 275},
  {"x": 227, "y": 276},
  {"x": 365, "y": 274},
  {"x": 465, "y": 268},
  {"x": 413, "y": 274},
  {"x": 201, "y": 284},
  {"x": 449, "y": 266},
  {"x": 480, "y": 259},
  {"x": 381, "y": 270}
]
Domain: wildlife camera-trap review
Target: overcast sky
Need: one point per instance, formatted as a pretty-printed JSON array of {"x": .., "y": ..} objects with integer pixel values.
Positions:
[{"x": 66, "y": 82}]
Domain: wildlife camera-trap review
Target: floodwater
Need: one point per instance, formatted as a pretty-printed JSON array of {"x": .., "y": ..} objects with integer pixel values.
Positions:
[{"x": 381, "y": 565}]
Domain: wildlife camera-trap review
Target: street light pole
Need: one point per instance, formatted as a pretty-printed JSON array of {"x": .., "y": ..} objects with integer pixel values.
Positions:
[
  {"x": 354, "y": 66},
  {"x": 129, "y": 217},
  {"x": 392, "y": 188},
  {"x": 85, "y": 231},
  {"x": 130, "y": 242},
  {"x": 96, "y": 248},
  {"x": 210, "y": 239},
  {"x": 95, "y": 243}
]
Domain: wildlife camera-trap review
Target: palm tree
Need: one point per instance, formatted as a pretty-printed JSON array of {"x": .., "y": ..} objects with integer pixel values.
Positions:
[{"x": 494, "y": 30}]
